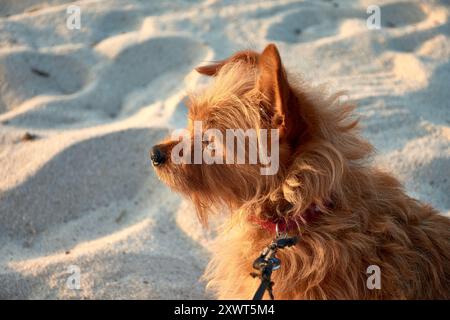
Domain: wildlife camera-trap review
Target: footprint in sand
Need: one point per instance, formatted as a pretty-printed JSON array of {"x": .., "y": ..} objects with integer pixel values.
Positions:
[
  {"x": 316, "y": 22},
  {"x": 114, "y": 22},
  {"x": 305, "y": 25},
  {"x": 133, "y": 68},
  {"x": 103, "y": 170},
  {"x": 401, "y": 14},
  {"x": 25, "y": 74},
  {"x": 413, "y": 41}
]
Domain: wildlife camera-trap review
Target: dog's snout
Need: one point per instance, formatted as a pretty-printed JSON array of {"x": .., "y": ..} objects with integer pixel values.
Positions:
[{"x": 157, "y": 156}]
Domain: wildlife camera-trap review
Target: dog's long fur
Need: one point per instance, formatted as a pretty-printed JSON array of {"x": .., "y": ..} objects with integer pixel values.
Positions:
[{"x": 323, "y": 159}]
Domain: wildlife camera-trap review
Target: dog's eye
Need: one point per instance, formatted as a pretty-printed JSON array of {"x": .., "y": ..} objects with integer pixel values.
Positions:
[{"x": 210, "y": 145}]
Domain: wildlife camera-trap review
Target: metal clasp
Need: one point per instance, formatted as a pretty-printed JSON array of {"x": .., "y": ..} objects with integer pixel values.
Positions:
[{"x": 278, "y": 234}]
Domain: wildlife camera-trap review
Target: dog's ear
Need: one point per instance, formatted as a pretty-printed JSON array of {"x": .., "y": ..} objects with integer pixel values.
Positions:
[
  {"x": 247, "y": 56},
  {"x": 273, "y": 84}
]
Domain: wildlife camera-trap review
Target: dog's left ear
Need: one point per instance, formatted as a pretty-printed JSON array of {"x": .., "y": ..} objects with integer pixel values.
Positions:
[
  {"x": 247, "y": 56},
  {"x": 273, "y": 84}
]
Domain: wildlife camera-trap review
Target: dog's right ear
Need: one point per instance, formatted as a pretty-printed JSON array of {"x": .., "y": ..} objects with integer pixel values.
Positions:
[{"x": 247, "y": 56}]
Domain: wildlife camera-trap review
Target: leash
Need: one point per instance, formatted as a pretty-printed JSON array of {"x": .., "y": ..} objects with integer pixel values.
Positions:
[{"x": 267, "y": 262}]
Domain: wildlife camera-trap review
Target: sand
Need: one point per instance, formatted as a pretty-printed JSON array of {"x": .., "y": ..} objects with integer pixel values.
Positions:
[{"x": 79, "y": 110}]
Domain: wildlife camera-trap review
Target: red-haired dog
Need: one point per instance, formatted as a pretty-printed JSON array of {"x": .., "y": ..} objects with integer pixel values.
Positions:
[{"x": 350, "y": 218}]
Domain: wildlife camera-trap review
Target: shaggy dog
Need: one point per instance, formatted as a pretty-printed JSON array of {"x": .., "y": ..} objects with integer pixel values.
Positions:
[{"x": 347, "y": 214}]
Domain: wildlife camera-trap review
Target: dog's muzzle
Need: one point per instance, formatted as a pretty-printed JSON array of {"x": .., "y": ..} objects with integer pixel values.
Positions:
[{"x": 157, "y": 156}]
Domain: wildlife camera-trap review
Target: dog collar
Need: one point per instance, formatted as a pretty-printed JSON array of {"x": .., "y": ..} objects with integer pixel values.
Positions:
[{"x": 284, "y": 225}]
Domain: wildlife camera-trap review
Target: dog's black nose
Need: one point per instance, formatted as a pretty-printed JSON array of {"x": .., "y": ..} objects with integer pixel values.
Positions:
[{"x": 157, "y": 156}]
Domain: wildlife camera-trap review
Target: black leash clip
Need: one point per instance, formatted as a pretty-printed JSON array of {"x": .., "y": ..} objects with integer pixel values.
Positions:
[{"x": 266, "y": 263}]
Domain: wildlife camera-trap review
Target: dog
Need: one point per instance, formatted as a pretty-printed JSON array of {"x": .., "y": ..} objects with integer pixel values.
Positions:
[{"x": 352, "y": 220}]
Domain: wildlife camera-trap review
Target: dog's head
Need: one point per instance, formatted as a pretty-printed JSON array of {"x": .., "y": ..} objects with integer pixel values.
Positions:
[
  {"x": 241, "y": 134},
  {"x": 304, "y": 140}
]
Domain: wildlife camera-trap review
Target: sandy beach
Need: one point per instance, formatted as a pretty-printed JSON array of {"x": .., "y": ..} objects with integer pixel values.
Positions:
[{"x": 80, "y": 108}]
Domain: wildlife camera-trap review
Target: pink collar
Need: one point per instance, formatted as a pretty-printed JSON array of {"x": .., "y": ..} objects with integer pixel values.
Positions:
[{"x": 292, "y": 223}]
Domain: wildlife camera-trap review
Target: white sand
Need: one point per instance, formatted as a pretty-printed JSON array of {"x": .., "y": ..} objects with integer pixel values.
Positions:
[{"x": 83, "y": 193}]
